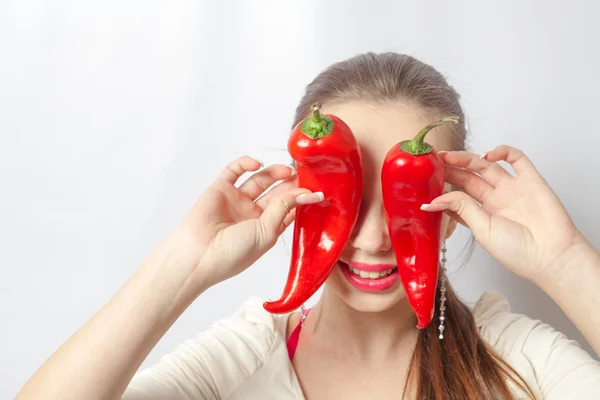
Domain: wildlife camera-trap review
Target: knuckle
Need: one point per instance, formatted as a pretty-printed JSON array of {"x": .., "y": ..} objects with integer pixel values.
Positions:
[
  {"x": 258, "y": 182},
  {"x": 280, "y": 205},
  {"x": 520, "y": 154},
  {"x": 279, "y": 202},
  {"x": 262, "y": 235},
  {"x": 459, "y": 206},
  {"x": 231, "y": 168},
  {"x": 267, "y": 233},
  {"x": 287, "y": 204},
  {"x": 462, "y": 204},
  {"x": 501, "y": 151},
  {"x": 494, "y": 167}
]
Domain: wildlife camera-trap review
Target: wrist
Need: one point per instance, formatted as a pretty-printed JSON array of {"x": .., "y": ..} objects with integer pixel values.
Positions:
[
  {"x": 580, "y": 255},
  {"x": 170, "y": 275}
]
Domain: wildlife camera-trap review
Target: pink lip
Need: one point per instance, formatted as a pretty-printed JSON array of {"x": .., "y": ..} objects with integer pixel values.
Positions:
[
  {"x": 371, "y": 267},
  {"x": 369, "y": 285}
]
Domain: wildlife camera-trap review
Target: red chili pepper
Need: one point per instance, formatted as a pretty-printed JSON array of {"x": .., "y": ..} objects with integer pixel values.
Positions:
[
  {"x": 413, "y": 175},
  {"x": 328, "y": 160}
]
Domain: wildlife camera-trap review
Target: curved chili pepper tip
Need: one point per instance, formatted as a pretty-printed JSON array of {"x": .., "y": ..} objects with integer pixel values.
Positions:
[
  {"x": 281, "y": 306},
  {"x": 418, "y": 146}
]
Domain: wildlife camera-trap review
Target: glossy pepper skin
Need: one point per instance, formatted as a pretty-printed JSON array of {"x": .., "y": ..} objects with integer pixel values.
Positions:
[
  {"x": 328, "y": 159},
  {"x": 413, "y": 175}
]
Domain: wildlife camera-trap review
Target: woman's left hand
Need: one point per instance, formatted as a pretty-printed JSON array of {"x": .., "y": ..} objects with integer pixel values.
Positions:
[{"x": 519, "y": 220}]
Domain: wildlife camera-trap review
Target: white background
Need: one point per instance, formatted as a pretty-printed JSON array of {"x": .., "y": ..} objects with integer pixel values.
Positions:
[{"x": 114, "y": 116}]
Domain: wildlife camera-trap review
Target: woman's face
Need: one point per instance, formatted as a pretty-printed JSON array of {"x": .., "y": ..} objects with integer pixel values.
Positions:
[{"x": 377, "y": 127}]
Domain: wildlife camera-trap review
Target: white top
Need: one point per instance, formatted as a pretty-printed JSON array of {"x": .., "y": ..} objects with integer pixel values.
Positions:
[{"x": 245, "y": 357}]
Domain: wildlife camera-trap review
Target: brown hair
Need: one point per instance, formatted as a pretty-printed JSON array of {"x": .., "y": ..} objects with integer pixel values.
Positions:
[{"x": 462, "y": 365}]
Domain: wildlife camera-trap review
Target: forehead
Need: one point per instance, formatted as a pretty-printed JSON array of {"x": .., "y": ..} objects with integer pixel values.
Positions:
[{"x": 379, "y": 126}]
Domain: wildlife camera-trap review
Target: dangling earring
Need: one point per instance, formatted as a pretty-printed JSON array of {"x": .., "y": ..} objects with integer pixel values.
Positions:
[
  {"x": 302, "y": 315},
  {"x": 443, "y": 291}
]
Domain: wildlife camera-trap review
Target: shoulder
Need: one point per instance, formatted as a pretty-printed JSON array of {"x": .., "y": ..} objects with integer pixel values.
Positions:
[
  {"x": 248, "y": 335},
  {"x": 250, "y": 321},
  {"x": 509, "y": 332},
  {"x": 493, "y": 317},
  {"x": 215, "y": 362},
  {"x": 546, "y": 358}
]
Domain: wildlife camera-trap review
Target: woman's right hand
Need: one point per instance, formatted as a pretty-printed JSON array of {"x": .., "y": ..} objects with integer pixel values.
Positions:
[
  {"x": 224, "y": 232},
  {"x": 232, "y": 227}
]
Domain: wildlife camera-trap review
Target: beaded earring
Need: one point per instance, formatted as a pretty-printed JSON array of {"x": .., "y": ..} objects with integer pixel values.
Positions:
[{"x": 443, "y": 291}]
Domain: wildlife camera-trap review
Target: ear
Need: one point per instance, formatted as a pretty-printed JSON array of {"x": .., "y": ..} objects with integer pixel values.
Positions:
[{"x": 450, "y": 228}]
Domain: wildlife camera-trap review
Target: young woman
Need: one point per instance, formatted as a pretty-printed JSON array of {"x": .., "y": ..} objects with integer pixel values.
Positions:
[{"x": 354, "y": 344}]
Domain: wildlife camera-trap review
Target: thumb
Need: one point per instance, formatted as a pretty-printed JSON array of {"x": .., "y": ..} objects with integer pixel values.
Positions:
[
  {"x": 463, "y": 208},
  {"x": 272, "y": 218}
]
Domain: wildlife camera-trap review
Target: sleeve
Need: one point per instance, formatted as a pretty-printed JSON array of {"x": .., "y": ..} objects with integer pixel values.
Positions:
[
  {"x": 554, "y": 366},
  {"x": 211, "y": 365},
  {"x": 565, "y": 371}
]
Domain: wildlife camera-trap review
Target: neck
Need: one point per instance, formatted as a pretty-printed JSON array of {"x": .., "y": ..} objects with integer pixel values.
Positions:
[{"x": 366, "y": 335}]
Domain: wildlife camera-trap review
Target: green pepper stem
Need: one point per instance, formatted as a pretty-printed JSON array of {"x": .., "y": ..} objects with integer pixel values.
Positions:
[
  {"x": 318, "y": 125},
  {"x": 418, "y": 145},
  {"x": 316, "y": 113}
]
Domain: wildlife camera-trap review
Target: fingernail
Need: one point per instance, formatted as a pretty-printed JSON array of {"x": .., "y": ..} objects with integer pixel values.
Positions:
[
  {"x": 435, "y": 207},
  {"x": 310, "y": 198},
  {"x": 483, "y": 156},
  {"x": 442, "y": 152},
  {"x": 292, "y": 169}
]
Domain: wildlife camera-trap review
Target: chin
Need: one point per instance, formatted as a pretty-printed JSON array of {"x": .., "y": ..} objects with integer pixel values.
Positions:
[{"x": 366, "y": 295}]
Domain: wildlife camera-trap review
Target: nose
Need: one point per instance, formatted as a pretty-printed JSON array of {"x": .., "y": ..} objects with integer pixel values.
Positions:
[{"x": 370, "y": 233}]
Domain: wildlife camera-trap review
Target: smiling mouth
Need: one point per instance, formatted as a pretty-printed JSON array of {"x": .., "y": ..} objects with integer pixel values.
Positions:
[{"x": 372, "y": 275}]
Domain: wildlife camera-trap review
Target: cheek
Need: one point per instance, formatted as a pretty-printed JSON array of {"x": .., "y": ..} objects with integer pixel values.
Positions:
[{"x": 336, "y": 281}]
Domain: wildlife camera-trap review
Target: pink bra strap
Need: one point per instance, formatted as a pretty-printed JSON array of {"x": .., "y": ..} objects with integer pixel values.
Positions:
[{"x": 292, "y": 342}]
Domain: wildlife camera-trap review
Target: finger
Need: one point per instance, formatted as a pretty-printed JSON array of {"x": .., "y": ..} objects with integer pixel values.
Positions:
[
  {"x": 473, "y": 184},
  {"x": 232, "y": 171},
  {"x": 287, "y": 221},
  {"x": 272, "y": 219},
  {"x": 463, "y": 205},
  {"x": 290, "y": 183},
  {"x": 515, "y": 157},
  {"x": 492, "y": 172},
  {"x": 261, "y": 181},
  {"x": 455, "y": 217}
]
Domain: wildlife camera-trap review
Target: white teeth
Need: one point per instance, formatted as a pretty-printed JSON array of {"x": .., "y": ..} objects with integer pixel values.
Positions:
[{"x": 371, "y": 275}]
